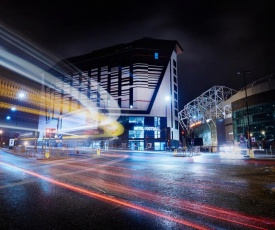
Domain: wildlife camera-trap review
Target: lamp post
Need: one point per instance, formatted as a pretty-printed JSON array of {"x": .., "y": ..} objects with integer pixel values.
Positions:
[{"x": 247, "y": 113}]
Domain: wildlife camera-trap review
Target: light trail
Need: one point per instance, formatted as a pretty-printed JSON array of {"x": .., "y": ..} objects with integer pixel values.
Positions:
[
  {"x": 106, "y": 198},
  {"x": 110, "y": 172},
  {"x": 194, "y": 207},
  {"x": 35, "y": 73},
  {"x": 149, "y": 179}
]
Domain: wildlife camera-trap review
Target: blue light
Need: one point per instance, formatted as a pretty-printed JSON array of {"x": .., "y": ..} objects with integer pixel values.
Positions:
[
  {"x": 8, "y": 118},
  {"x": 156, "y": 55}
]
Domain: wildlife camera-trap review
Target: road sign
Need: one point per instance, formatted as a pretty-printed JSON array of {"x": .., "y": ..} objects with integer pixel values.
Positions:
[{"x": 11, "y": 143}]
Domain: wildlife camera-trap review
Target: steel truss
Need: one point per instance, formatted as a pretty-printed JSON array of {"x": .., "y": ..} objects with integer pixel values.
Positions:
[{"x": 207, "y": 107}]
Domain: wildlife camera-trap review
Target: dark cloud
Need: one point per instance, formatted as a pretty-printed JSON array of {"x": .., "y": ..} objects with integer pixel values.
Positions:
[{"x": 219, "y": 38}]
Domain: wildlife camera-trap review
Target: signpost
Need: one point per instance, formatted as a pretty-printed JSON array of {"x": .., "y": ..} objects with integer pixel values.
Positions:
[
  {"x": 50, "y": 132},
  {"x": 11, "y": 143}
]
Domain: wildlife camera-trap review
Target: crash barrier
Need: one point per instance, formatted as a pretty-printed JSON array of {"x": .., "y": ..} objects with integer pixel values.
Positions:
[
  {"x": 55, "y": 152},
  {"x": 41, "y": 152},
  {"x": 24, "y": 151}
]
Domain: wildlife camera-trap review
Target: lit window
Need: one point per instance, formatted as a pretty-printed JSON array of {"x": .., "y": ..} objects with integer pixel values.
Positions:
[{"x": 156, "y": 134}]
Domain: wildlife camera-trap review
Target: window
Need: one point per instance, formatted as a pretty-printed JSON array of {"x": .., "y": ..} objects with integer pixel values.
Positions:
[
  {"x": 175, "y": 79},
  {"x": 156, "y": 134},
  {"x": 137, "y": 120},
  {"x": 175, "y": 88},
  {"x": 176, "y": 125},
  {"x": 157, "y": 121},
  {"x": 136, "y": 134},
  {"x": 175, "y": 71},
  {"x": 176, "y": 113},
  {"x": 176, "y": 104},
  {"x": 174, "y": 63}
]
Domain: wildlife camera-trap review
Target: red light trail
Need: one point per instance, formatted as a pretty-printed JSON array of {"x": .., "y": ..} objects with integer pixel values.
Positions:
[
  {"x": 201, "y": 209},
  {"x": 194, "y": 207},
  {"x": 107, "y": 199}
]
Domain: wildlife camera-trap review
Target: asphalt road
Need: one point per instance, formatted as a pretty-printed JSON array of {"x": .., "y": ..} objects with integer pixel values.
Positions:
[{"x": 136, "y": 190}]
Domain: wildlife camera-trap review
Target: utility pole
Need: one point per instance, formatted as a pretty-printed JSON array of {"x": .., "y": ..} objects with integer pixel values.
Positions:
[{"x": 247, "y": 112}]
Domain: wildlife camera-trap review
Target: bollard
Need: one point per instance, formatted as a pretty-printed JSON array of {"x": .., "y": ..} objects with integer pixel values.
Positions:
[
  {"x": 47, "y": 154},
  {"x": 98, "y": 151},
  {"x": 175, "y": 151},
  {"x": 250, "y": 153}
]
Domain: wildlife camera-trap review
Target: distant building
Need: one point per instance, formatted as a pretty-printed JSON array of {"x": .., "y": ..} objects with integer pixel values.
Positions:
[
  {"x": 219, "y": 115},
  {"x": 204, "y": 117},
  {"x": 116, "y": 97},
  {"x": 261, "y": 112}
]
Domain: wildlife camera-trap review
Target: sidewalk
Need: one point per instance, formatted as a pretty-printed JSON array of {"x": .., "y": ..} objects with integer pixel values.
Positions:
[
  {"x": 260, "y": 157},
  {"x": 57, "y": 154}
]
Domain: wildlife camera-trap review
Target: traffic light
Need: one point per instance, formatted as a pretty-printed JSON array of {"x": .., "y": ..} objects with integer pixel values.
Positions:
[
  {"x": 50, "y": 132},
  {"x": 183, "y": 133}
]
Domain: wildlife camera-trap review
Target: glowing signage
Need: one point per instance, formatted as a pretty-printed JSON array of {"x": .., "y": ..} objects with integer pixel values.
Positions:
[
  {"x": 196, "y": 123},
  {"x": 147, "y": 128}
]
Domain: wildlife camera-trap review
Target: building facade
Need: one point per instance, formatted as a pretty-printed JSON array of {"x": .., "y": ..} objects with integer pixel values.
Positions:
[
  {"x": 125, "y": 96},
  {"x": 222, "y": 116},
  {"x": 204, "y": 116},
  {"x": 255, "y": 118},
  {"x": 19, "y": 110}
]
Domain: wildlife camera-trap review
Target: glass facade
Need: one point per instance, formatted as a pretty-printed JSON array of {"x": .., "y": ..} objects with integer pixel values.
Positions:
[
  {"x": 143, "y": 133},
  {"x": 262, "y": 124}
]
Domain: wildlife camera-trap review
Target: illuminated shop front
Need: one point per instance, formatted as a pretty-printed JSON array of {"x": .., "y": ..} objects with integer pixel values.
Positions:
[{"x": 144, "y": 133}]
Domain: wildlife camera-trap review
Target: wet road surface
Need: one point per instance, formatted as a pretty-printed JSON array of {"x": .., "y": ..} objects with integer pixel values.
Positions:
[{"x": 136, "y": 190}]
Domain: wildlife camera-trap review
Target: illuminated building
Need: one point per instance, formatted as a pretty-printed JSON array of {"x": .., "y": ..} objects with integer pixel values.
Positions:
[
  {"x": 219, "y": 115},
  {"x": 17, "y": 106},
  {"x": 204, "y": 116},
  {"x": 261, "y": 112},
  {"x": 127, "y": 84}
]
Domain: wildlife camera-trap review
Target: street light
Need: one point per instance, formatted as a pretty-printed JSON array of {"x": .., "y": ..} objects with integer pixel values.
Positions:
[
  {"x": 247, "y": 114},
  {"x": 21, "y": 95},
  {"x": 15, "y": 110}
]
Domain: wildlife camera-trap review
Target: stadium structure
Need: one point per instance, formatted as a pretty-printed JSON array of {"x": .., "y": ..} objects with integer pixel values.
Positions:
[{"x": 224, "y": 117}]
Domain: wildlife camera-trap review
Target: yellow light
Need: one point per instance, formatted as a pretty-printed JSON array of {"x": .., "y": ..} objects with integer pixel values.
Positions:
[{"x": 196, "y": 123}]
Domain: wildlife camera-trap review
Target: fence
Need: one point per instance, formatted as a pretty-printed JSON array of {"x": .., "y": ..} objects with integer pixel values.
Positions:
[{"x": 40, "y": 152}]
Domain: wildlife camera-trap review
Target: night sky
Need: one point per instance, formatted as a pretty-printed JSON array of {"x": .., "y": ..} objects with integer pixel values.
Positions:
[{"x": 219, "y": 38}]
